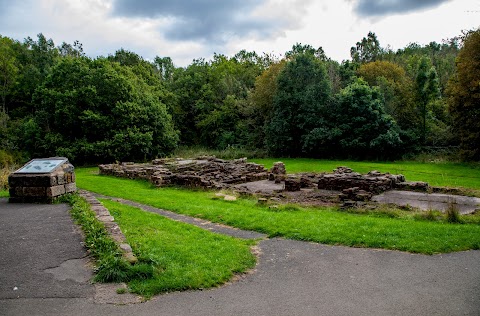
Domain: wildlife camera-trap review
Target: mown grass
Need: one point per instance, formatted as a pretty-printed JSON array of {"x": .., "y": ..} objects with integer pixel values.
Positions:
[
  {"x": 446, "y": 174},
  {"x": 323, "y": 225},
  {"x": 184, "y": 257},
  {"x": 4, "y": 193}
]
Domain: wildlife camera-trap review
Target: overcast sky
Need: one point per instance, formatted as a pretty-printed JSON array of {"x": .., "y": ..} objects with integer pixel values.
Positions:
[{"x": 189, "y": 29}]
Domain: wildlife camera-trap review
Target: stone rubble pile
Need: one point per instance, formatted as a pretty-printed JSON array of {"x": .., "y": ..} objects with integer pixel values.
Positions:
[
  {"x": 208, "y": 172},
  {"x": 345, "y": 178},
  {"x": 359, "y": 188},
  {"x": 355, "y": 187},
  {"x": 277, "y": 172}
]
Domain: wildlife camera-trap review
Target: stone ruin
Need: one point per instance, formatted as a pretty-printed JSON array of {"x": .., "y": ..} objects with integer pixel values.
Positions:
[
  {"x": 42, "y": 181},
  {"x": 356, "y": 187},
  {"x": 246, "y": 177},
  {"x": 206, "y": 172}
]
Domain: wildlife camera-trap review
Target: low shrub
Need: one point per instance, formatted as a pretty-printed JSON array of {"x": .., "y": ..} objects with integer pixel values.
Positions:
[
  {"x": 429, "y": 215},
  {"x": 4, "y": 173},
  {"x": 6, "y": 159},
  {"x": 452, "y": 215},
  {"x": 230, "y": 152}
]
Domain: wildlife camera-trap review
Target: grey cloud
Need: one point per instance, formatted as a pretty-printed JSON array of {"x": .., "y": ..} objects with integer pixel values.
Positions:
[
  {"x": 210, "y": 20},
  {"x": 377, "y": 8}
]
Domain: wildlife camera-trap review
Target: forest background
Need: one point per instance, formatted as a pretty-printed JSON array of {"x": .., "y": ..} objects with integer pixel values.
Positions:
[{"x": 380, "y": 104}]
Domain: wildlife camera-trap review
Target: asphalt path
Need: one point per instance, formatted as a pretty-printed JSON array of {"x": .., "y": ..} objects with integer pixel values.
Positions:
[
  {"x": 430, "y": 201},
  {"x": 42, "y": 255}
]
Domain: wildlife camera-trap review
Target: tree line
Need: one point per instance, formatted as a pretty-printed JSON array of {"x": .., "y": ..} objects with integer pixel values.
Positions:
[{"x": 381, "y": 104}]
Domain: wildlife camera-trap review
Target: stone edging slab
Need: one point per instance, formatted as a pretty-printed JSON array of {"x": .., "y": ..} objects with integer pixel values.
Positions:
[{"x": 104, "y": 216}]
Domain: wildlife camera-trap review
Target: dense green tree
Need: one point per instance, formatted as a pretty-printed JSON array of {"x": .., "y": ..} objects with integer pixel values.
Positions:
[
  {"x": 75, "y": 50},
  {"x": 193, "y": 92},
  {"x": 367, "y": 50},
  {"x": 464, "y": 92},
  {"x": 441, "y": 56},
  {"x": 34, "y": 58},
  {"x": 8, "y": 71},
  {"x": 357, "y": 126},
  {"x": 301, "y": 49},
  {"x": 259, "y": 109},
  {"x": 210, "y": 99},
  {"x": 93, "y": 111},
  {"x": 303, "y": 92},
  {"x": 396, "y": 88},
  {"x": 54, "y": 100},
  {"x": 165, "y": 67},
  {"x": 348, "y": 72},
  {"x": 428, "y": 90}
]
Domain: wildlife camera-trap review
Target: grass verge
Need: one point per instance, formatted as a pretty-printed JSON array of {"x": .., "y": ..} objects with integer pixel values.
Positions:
[
  {"x": 184, "y": 257},
  {"x": 4, "y": 194},
  {"x": 324, "y": 225},
  {"x": 110, "y": 264}
]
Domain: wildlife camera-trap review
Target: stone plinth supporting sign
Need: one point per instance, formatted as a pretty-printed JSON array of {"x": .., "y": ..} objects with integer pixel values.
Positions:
[{"x": 42, "y": 180}]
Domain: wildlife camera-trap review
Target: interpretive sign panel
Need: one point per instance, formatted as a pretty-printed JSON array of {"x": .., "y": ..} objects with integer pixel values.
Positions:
[
  {"x": 42, "y": 180},
  {"x": 41, "y": 165}
]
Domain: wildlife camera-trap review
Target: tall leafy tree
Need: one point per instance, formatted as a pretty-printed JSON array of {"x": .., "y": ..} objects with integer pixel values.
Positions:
[
  {"x": 303, "y": 92},
  {"x": 34, "y": 59},
  {"x": 301, "y": 49},
  {"x": 397, "y": 90},
  {"x": 165, "y": 67},
  {"x": 260, "y": 104},
  {"x": 357, "y": 126},
  {"x": 441, "y": 56},
  {"x": 428, "y": 90},
  {"x": 367, "y": 50},
  {"x": 464, "y": 92},
  {"x": 75, "y": 50},
  {"x": 94, "y": 111},
  {"x": 8, "y": 71},
  {"x": 210, "y": 99}
]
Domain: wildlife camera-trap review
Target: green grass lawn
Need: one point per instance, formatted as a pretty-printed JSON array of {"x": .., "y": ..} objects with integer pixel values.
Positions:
[
  {"x": 444, "y": 174},
  {"x": 184, "y": 256},
  {"x": 325, "y": 225},
  {"x": 4, "y": 193}
]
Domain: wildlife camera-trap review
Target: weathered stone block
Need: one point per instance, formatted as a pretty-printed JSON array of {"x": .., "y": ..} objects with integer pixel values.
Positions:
[
  {"x": 292, "y": 184},
  {"x": 34, "y": 191},
  {"x": 278, "y": 168},
  {"x": 413, "y": 186},
  {"x": 53, "y": 181},
  {"x": 55, "y": 191},
  {"x": 60, "y": 179},
  {"x": 70, "y": 187}
]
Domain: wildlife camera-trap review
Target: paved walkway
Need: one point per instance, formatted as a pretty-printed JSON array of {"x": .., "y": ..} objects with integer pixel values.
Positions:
[
  {"x": 292, "y": 277},
  {"x": 430, "y": 201},
  {"x": 42, "y": 254}
]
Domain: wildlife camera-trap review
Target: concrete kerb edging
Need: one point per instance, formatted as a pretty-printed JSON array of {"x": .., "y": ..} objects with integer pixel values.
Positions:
[{"x": 104, "y": 216}]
